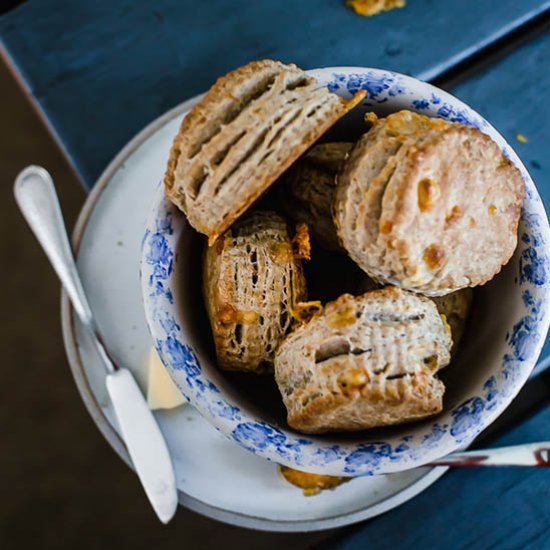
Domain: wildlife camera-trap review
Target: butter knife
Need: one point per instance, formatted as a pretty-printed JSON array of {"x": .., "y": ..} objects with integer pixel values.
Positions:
[{"x": 36, "y": 196}]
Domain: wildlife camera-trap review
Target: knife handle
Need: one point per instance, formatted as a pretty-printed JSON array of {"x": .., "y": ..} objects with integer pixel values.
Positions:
[
  {"x": 145, "y": 443},
  {"x": 35, "y": 194}
]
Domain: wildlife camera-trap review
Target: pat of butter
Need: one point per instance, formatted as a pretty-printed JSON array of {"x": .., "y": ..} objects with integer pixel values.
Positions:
[{"x": 162, "y": 393}]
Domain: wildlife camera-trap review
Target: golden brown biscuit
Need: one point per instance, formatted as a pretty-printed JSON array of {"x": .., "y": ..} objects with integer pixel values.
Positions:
[
  {"x": 251, "y": 281},
  {"x": 310, "y": 185},
  {"x": 364, "y": 362},
  {"x": 455, "y": 307},
  {"x": 246, "y": 131},
  {"x": 429, "y": 205}
]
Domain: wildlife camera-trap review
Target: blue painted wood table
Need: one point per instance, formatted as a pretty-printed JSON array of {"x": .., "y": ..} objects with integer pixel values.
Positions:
[{"x": 99, "y": 71}]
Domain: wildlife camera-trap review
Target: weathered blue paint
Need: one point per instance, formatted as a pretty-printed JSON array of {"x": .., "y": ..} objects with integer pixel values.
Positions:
[
  {"x": 102, "y": 70},
  {"x": 470, "y": 508}
]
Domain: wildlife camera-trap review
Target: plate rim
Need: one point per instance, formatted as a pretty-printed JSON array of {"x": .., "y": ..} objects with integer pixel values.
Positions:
[{"x": 111, "y": 435}]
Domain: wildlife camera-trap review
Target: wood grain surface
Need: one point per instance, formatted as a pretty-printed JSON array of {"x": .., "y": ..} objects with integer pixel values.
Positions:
[{"x": 102, "y": 70}]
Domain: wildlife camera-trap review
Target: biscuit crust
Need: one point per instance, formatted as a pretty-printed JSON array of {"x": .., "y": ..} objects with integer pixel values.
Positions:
[
  {"x": 309, "y": 190},
  {"x": 366, "y": 361},
  {"x": 456, "y": 309},
  {"x": 247, "y": 130},
  {"x": 251, "y": 281},
  {"x": 428, "y": 205}
]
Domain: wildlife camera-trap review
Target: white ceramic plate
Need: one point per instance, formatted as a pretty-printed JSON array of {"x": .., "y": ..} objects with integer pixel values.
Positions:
[{"x": 215, "y": 477}]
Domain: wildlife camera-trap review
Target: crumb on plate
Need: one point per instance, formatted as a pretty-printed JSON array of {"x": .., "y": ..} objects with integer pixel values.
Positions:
[
  {"x": 312, "y": 484},
  {"x": 522, "y": 138}
]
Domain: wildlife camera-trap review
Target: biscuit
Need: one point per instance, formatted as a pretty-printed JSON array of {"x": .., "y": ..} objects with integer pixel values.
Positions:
[
  {"x": 246, "y": 131},
  {"x": 456, "y": 308},
  {"x": 251, "y": 281},
  {"x": 364, "y": 362},
  {"x": 309, "y": 189},
  {"x": 429, "y": 205}
]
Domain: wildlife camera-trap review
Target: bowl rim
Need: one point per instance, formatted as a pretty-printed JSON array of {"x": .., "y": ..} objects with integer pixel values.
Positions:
[{"x": 302, "y": 451}]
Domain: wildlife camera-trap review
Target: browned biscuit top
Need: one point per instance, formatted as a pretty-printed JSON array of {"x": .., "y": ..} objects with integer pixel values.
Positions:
[
  {"x": 429, "y": 205},
  {"x": 364, "y": 362}
]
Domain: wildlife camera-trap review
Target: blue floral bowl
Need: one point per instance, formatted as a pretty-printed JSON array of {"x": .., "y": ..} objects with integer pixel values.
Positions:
[{"x": 504, "y": 339}]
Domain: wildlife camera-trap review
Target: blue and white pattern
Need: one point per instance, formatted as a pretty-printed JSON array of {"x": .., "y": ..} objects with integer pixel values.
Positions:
[
  {"x": 201, "y": 383},
  {"x": 383, "y": 86}
]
